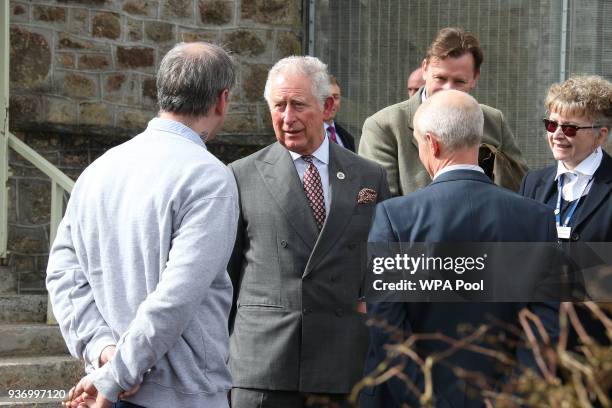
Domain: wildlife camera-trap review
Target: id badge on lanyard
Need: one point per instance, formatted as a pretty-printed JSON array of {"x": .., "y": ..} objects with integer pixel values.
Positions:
[{"x": 564, "y": 231}]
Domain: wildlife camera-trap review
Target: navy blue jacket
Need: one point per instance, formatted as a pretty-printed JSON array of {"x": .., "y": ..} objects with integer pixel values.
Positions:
[
  {"x": 347, "y": 139},
  {"x": 592, "y": 222},
  {"x": 459, "y": 206},
  {"x": 593, "y": 219}
]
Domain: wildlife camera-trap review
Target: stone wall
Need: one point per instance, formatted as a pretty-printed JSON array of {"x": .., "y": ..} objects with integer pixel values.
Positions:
[
  {"x": 90, "y": 64},
  {"x": 82, "y": 79}
]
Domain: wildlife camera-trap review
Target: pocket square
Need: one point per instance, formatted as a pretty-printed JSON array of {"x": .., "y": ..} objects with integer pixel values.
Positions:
[{"x": 366, "y": 195}]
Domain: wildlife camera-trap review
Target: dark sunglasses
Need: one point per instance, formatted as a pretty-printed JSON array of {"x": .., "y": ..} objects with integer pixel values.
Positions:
[{"x": 568, "y": 130}]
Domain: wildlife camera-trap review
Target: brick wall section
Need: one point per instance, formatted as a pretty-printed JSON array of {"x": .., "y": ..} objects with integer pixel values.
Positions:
[{"x": 82, "y": 79}]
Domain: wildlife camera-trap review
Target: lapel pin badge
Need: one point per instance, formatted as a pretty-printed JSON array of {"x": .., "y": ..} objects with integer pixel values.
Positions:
[{"x": 340, "y": 175}]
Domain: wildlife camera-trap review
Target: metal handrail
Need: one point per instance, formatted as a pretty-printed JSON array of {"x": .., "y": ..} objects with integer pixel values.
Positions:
[
  {"x": 60, "y": 182},
  {"x": 41, "y": 163}
]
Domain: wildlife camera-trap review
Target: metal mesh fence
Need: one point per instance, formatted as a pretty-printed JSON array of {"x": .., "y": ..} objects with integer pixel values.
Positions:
[{"x": 372, "y": 46}]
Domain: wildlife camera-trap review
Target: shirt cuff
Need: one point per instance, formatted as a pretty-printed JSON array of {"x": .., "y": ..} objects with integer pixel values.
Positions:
[
  {"x": 102, "y": 379},
  {"x": 94, "y": 349}
]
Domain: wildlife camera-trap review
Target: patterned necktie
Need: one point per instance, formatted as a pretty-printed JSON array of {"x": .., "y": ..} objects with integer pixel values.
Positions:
[
  {"x": 332, "y": 134},
  {"x": 314, "y": 191}
]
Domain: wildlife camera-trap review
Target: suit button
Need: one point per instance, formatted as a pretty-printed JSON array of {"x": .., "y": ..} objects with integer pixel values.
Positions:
[
  {"x": 306, "y": 311},
  {"x": 352, "y": 246},
  {"x": 284, "y": 243},
  {"x": 334, "y": 278},
  {"x": 575, "y": 236},
  {"x": 339, "y": 312}
]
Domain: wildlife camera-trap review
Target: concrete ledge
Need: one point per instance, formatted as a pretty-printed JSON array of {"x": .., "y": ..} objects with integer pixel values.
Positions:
[
  {"x": 23, "y": 309},
  {"x": 41, "y": 403},
  {"x": 31, "y": 340},
  {"x": 39, "y": 373},
  {"x": 8, "y": 280},
  {"x": 116, "y": 135}
]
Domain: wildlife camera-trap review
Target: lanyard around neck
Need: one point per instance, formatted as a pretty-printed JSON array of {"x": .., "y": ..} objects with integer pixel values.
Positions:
[{"x": 572, "y": 209}]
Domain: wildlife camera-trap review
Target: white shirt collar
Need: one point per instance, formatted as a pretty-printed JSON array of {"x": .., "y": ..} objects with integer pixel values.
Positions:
[
  {"x": 172, "y": 126},
  {"x": 587, "y": 167},
  {"x": 458, "y": 167},
  {"x": 321, "y": 154}
]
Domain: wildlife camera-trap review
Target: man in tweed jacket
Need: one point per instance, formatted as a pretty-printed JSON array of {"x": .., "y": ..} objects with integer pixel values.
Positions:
[{"x": 453, "y": 62}]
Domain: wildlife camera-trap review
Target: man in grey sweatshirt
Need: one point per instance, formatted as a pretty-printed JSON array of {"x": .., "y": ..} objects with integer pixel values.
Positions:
[{"x": 137, "y": 273}]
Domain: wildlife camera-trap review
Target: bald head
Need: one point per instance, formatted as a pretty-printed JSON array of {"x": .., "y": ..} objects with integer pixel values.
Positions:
[
  {"x": 453, "y": 117},
  {"x": 415, "y": 81}
]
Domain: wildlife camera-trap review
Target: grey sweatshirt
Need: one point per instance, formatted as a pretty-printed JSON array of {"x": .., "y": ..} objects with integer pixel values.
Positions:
[{"x": 140, "y": 261}]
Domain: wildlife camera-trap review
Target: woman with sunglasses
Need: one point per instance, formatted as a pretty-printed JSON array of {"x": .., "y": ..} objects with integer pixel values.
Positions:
[{"x": 578, "y": 188}]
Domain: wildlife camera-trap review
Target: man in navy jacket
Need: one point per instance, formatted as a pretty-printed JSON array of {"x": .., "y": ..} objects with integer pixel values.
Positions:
[{"x": 460, "y": 205}]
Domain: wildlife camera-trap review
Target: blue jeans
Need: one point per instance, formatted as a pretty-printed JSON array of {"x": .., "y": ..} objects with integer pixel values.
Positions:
[{"x": 125, "y": 404}]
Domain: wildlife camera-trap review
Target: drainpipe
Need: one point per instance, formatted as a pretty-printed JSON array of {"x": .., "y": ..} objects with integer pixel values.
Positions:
[
  {"x": 564, "y": 33},
  {"x": 4, "y": 126},
  {"x": 311, "y": 27}
]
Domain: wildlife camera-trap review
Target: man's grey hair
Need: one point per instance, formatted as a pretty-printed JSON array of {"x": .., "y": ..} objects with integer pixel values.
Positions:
[
  {"x": 311, "y": 67},
  {"x": 191, "y": 77},
  {"x": 454, "y": 117}
]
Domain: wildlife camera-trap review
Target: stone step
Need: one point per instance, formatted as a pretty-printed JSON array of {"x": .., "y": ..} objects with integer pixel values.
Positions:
[
  {"x": 31, "y": 340},
  {"x": 23, "y": 309},
  {"x": 8, "y": 280},
  {"x": 39, "y": 373},
  {"x": 38, "y": 403}
]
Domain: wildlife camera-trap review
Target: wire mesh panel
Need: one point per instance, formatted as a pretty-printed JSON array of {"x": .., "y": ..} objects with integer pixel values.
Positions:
[{"x": 373, "y": 45}]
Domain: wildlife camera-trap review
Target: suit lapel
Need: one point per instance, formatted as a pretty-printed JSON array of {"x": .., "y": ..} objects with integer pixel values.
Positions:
[
  {"x": 600, "y": 190},
  {"x": 546, "y": 186},
  {"x": 413, "y": 104},
  {"x": 283, "y": 183},
  {"x": 343, "y": 193},
  {"x": 347, "y": 139}
]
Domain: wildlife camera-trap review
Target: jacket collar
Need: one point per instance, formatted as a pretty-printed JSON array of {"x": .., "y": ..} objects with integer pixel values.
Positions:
[
  {"x": 600, "y": 190},
  {"x": 411, "y": 105},
  {"x": 280, "y": 177},
  {"x": 455, "y": 175}
]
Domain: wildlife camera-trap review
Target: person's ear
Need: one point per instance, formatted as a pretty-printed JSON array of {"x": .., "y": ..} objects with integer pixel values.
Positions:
[
  {"x": 328, "y": 106},
  {"x": 476, "y": 78},
  {"x": 424, "y": 66},
  {"x": 433, "y": 143},
  {"x": 602, "y": 136},
  {"x": 222, "y": 103}
]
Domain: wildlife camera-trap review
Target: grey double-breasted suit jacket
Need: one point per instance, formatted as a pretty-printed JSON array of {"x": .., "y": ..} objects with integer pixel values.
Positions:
[{"x": 294, "y": 324}]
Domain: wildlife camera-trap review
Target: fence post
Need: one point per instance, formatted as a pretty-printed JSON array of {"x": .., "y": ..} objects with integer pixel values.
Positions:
[{"x": 4, "y": 125}]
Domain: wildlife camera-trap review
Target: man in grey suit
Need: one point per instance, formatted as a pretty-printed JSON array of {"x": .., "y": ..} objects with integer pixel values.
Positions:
[
  {"x": 452, "y": 62},
  {"x": 305, "y": 209}
]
